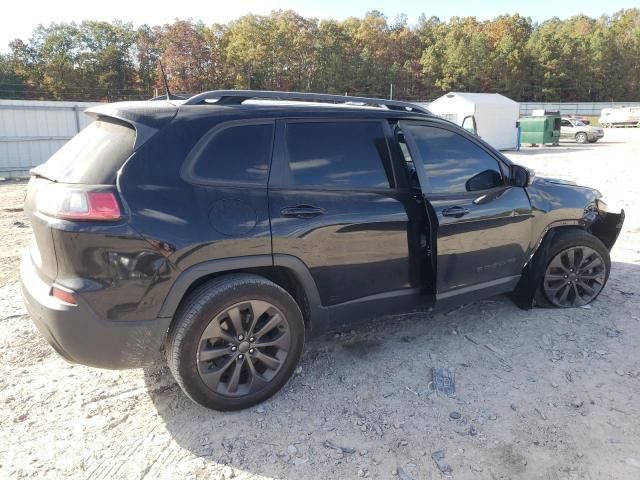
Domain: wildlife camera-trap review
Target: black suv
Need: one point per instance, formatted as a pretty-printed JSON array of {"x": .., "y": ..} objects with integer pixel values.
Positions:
[{"x": 224, "y": 228}]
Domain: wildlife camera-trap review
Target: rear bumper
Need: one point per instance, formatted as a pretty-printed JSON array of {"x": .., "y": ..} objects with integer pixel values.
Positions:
[{"x": 80, "y": 336}]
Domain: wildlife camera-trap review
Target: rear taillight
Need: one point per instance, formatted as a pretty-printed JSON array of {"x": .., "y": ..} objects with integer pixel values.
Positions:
[{"x": 71, "y": 203}]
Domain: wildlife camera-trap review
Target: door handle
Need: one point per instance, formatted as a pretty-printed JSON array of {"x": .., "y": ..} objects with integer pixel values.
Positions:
[
  {"x": 456, "y": 211},
  {"x": 302, "y": 211}
]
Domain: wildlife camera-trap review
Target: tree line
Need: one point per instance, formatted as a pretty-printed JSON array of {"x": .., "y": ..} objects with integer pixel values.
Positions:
[{"x": 577, "y": 59}]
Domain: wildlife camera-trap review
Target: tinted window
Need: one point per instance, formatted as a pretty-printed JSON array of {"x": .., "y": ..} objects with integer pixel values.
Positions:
[
  {"x": 94, "y": 155},
  {"x": 340, "y": 154},
  {"x": 238, "y": 153},
  {"x": 453, "y": 163}
]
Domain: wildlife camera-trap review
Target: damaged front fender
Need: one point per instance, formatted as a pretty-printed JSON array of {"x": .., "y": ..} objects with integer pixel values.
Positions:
[{"x": 607, "y": 227}]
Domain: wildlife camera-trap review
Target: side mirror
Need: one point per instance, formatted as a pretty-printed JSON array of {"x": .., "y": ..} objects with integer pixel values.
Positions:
[
  {"x": 484, "y": 181},
  {"x": 520, "y": 176}
]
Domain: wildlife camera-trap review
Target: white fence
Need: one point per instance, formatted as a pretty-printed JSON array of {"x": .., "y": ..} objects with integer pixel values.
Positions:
[
  {"x": 31, "y": 131},
  {"x": 579, "y": 108},
  {"x": 566, "y": 108}
]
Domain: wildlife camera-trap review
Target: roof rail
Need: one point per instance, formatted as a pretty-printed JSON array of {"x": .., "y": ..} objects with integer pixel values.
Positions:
[
  {"x": 236, "y": 97},
  {"x": 172, "y": 96}
]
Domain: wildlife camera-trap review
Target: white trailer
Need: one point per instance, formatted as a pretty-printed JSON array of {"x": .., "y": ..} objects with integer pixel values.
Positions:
[
  {"x": 620, "y": 117},
  {"x": 491, "y": 116}
]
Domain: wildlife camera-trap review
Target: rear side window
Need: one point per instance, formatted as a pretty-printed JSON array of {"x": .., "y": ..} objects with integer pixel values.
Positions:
[
  {"x": 94, "y": 155},
  {"x": 337, "y": 154},
  {"x": 453, "y": 163},
  {"x": 238, "y": 153}
]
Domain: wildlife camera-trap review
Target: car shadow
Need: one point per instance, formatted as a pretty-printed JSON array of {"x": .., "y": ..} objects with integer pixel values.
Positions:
[{"x": 351, "y": 384}]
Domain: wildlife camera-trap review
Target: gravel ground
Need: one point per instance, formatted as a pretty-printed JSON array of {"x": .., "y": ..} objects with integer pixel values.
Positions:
[{"x": 547, "y": 394}]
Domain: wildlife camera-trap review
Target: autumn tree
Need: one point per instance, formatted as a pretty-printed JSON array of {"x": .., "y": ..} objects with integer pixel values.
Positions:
[
  {"x": 187, "y": 55},
  {"x": 576, "y": 59}
]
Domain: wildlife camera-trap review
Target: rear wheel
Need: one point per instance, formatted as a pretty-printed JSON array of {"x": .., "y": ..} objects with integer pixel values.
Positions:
[
  {"x": 576, "y": 271},
  {"x": 235, "y": 342},
  {"x": 581, "y": 137}
]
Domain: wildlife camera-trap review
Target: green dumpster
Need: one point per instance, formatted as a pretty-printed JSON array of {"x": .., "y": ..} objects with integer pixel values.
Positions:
[{"x": 540, "y": 130}]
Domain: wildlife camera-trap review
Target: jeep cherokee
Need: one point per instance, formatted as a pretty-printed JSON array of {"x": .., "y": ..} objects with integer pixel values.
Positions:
[{"x": 224, "y": 228}]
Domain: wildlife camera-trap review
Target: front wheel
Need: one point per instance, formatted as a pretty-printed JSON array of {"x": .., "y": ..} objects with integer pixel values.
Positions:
[
  {"x": 235, "y": 341},
  {"x": 577, "y": 270},
  {"x": 581, "y": 137}
]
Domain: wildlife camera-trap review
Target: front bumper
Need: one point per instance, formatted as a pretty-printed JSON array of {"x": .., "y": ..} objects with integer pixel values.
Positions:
[
  {"x": 80, "y": 336},
  {"x": 608, "y": 226}
]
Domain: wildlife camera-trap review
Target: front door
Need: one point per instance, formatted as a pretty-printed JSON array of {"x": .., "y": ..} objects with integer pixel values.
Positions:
[
  {"x": 483, "y": 223},
  {"x": 335, "y": 204},
  {"x": 566, "y": 129}
]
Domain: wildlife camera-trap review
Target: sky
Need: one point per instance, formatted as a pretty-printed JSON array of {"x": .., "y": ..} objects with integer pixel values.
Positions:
[{"x": 20, "y": 22}]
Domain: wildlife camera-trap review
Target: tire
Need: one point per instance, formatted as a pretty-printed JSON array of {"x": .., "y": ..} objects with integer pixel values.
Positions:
[
  {"x": 593, "y": 141},
  {"x": 552, "y": 285},
  {"x": 581, "y": 137},
  {"x": 220, "y": 319}
]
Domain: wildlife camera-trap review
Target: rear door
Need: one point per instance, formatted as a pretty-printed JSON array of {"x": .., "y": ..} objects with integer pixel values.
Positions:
[
  {"x": 335, "y": 204},
  {"x": 483, "y": 224}
]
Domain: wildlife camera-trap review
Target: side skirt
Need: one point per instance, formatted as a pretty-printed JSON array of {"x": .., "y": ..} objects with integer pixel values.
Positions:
[
  {"x": 477, "y": 292},
  {"x": 373, "y": 306}
]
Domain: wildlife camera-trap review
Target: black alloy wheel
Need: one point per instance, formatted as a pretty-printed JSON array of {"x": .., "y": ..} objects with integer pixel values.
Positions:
[
  {"x": 574, "y": 277},
  {"x": 235, "y": 341},
  {"x": 243, "y": 348}
]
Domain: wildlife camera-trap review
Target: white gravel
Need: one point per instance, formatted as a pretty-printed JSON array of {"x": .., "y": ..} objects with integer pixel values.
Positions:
[{"x": 541, "y": 394}]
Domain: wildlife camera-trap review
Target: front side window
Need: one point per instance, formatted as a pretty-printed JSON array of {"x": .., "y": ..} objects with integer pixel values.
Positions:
[
  {"x": 337, "y": 154},
  {"x": 452, "y": 163},
  {"x": 238, "y": 153}
]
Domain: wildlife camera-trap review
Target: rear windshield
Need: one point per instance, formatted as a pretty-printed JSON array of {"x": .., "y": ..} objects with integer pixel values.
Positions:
[{"x": 93, "y": 156}]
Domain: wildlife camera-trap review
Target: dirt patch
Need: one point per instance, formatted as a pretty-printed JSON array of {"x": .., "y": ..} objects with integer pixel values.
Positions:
[{"x": 539, "y": 394}]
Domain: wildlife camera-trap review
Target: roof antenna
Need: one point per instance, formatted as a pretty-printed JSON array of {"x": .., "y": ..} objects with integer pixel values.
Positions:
[{"x": 164, "y": 81}]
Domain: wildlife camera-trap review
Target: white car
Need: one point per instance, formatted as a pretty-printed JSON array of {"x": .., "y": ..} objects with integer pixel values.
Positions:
[{"x": 575, "y": 129}]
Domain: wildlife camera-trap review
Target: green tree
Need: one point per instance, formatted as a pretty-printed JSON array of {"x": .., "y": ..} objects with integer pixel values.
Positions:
[
  {"x": 105, "y": 57},
  {"x": 457, "y": 58},
  {"x": 12, "y": 82},
  {"x": 248, "y": 51},
  {"x": 511, "y": 67},
  {"x": 56, "y": 56}
]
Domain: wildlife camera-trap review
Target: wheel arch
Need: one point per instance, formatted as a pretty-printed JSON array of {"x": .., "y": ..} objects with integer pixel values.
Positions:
[
  {"x": 286, "y": 271},
  {"x": 533, "y": 270}
]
